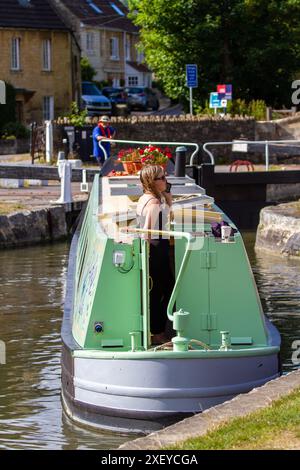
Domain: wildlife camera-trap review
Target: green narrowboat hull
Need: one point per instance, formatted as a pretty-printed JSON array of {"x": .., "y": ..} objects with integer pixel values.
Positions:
[{"x": 111, "y": 376}]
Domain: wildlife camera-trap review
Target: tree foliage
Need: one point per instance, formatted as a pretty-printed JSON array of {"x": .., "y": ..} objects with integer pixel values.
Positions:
[
  {"x": 253, "y": 44},
  {"x": 87, "y": 70}
]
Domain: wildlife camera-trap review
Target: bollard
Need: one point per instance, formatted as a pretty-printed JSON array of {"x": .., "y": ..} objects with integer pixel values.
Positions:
[
  {"x": 180, "y": 321},
  {"x": 225, "y": 341},
  {"x": 84, "y": 186},
  {"x": 60, "y": 157},
  {"x": 49, "y": 141},
  {"x": 180, "y": 161},
  {"x": 65, "y": 174},
  {"x": 66, "y": 148}
]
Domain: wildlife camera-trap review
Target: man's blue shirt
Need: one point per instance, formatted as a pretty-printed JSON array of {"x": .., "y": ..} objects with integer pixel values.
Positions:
[{"x": 97, "y": 152}]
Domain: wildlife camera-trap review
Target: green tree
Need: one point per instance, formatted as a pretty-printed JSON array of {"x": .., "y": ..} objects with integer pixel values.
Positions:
[
  {"x": 253, "y": 44},
  {"x": 87, "y": 71}
]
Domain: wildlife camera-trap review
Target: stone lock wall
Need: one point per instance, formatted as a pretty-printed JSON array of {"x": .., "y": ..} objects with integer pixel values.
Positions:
[{"x": 174, "y": 129}]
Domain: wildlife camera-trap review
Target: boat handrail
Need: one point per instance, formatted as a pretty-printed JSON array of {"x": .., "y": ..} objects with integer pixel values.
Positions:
[
  {"x": 144, "y": 142},
  {"x": 190, "y": 238}
]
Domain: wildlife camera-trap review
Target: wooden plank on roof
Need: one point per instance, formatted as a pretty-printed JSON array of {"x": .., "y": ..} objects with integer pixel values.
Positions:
[{"x": 137, "y": 190}]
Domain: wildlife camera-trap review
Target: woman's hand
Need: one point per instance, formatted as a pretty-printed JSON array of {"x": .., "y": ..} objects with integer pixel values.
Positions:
[{"x": 168, "y": 198}]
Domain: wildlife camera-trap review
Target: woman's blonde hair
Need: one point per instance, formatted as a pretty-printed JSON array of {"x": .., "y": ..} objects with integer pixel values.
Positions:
[{"x": 147, "y": 176}]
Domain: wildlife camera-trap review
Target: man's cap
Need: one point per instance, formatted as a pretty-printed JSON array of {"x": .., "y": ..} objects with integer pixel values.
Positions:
[{"x": 104, "y": 119}]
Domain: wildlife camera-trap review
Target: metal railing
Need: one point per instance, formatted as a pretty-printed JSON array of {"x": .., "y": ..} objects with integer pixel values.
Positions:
[
  {"x": 266, "y": 143},
  {"x": 191, "y": 144},
  {"x": 190, "y": 238}
]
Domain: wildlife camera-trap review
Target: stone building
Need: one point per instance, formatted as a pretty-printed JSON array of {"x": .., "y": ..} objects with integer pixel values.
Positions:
[
  {"x": 108, "y": 39},
  {"x": 40, "y": 57}
]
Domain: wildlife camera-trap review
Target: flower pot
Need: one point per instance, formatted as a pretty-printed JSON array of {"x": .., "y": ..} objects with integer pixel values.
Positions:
[
  {"x": 132, "y": 167},
  {"x": 138, "y": 166},
  {"x": 162, "y": 165}
]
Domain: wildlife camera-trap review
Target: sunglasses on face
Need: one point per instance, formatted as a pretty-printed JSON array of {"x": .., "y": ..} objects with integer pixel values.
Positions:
[{"x": 162, "y": 178}]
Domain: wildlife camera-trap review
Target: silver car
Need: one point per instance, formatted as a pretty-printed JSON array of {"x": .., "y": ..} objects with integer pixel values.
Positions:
[
  {"x": 141, "y": 97},
  {"x": 94, "y": 101}
]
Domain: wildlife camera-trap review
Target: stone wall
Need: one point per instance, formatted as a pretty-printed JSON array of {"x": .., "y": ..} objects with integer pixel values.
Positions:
[
  {"x": 14, "y": 146},
  {"x": 28, "y": 227},
  {"x": 279, "y": 229},
  {"x": 279, "y": 129},
  {"x": 32, "y": 82},
  {"x": 175, "y": 129}
]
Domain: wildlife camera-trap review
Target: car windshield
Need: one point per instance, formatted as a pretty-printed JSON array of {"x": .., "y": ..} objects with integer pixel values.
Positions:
[
  {"x": 113, "y": 92},
  {"x": 90, "y": 89},
  {"x": 134, "y": 91}
]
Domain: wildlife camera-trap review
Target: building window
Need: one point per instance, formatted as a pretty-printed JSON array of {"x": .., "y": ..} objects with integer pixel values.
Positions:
[
  {"x": 140, "y": 57},
  {"x": 90, "y": 41},
  {"x": 94, "y": 7},
  {"x": 133, "y": 81},
  {"x": 127, "y": 49},
  {"x": 48, "y": 108},
  {"x": 114, "y": 49},
  {"x": 47, "y": 55},
  {"x": 15, "y": 54},
  {"x": 117, "y": 9}
]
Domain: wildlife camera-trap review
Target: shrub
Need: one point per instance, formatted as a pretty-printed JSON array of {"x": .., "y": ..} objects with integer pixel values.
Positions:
[
  {"x": 255, "y": 108},
  {"x": 14, "y": 129},
  {"x": 77, "y": 117},
  {"x": 87, "y": 71}
]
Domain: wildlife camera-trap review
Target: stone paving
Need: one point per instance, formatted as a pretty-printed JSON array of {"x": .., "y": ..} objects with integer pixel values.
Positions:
[
  {"x": 202, "y": 423},
  {"x": 38, "y": 196},
  {"x": 34, "y": 195}
]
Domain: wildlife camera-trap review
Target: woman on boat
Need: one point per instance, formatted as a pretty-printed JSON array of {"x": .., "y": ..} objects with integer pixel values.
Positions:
[{"x": 154, "y": 212}]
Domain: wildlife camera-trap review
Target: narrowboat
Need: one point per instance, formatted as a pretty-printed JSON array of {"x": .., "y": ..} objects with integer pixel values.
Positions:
[{"x": 221, "y": 342}]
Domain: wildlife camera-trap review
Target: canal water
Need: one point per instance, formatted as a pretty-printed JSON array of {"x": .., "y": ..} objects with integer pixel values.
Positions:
[{"x": 32, "y": 285}]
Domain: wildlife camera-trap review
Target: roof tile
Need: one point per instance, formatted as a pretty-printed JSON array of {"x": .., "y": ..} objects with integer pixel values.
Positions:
[{"x": 37, "y": 15}]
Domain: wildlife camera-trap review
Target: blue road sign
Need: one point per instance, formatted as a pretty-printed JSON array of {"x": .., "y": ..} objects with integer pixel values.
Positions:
[
  {"x": 191, "y": 75},
  {"x": 217, "y": 100},
  {"x": 214, "y": 100}
]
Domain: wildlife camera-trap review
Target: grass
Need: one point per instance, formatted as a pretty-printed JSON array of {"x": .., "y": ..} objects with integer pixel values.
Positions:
[
  {"x": 275, "y": 427},
  {"x": 8, "y": 208}
]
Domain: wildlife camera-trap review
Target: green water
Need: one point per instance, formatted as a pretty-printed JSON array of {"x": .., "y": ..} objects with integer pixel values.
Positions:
[{"x": 32, "y": 283}]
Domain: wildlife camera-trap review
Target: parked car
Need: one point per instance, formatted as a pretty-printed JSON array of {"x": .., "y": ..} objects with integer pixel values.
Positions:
[
  {"x": 118, "y": 98},
  {"x": 142, "y": 98},
  {"x": 94, "y": 101}
]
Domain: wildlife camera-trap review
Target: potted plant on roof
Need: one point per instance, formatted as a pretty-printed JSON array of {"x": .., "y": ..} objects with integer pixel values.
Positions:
[
  {"x": 131, "y": 160},
  {"x": 153, "y": 155}
]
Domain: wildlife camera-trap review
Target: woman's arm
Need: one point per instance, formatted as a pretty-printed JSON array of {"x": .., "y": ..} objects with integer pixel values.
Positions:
[{"x": 151, "y": 218}]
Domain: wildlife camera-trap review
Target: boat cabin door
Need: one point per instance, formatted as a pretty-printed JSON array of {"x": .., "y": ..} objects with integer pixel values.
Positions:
[{"x": 145, "y": 289}]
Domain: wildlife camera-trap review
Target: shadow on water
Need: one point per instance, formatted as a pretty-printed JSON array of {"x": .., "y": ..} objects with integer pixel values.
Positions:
[
  {"x": 32, "y": 284},
  {"x": 278, "y": 282}
]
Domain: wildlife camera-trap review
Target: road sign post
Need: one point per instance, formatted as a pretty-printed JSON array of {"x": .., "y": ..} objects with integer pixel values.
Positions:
[{"x": 191, "y": 81}]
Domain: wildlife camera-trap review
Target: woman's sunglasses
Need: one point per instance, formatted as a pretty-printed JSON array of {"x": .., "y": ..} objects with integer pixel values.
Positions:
[{"x": 162, "y": 178}]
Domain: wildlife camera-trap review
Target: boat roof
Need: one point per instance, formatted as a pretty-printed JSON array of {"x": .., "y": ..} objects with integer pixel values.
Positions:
[{"x": 119, "y": 196}]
